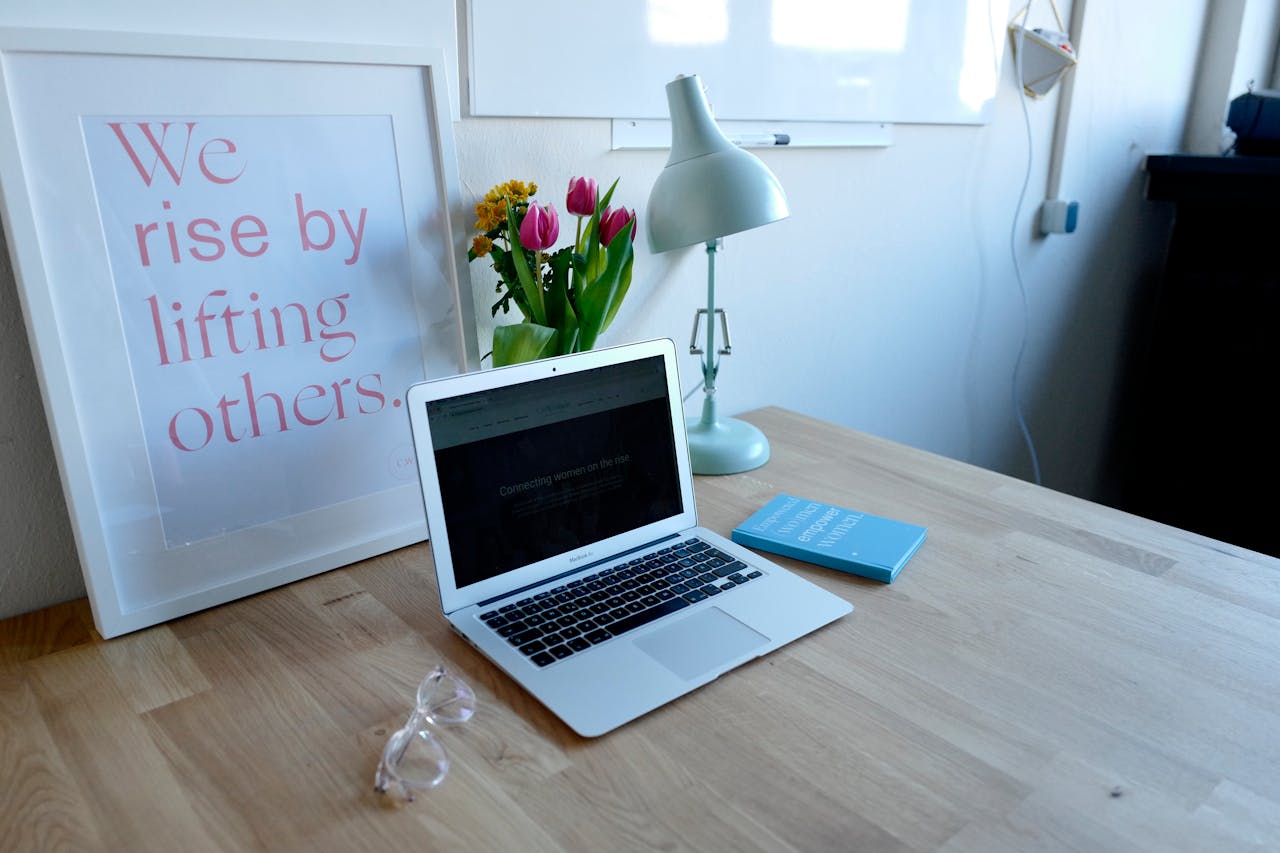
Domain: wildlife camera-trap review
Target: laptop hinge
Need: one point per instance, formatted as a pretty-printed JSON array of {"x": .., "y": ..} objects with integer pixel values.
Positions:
[{"x": 577, "y": 570}]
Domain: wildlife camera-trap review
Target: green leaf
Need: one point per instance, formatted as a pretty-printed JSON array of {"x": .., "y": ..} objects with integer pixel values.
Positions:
[
  {"x": 521, "y": 342},
  {"x": 560, "y": 310},
  {"x": 598, "y": 303},
  {"x": 594, "y": 261},
  {"x": 624, "y": 282}
]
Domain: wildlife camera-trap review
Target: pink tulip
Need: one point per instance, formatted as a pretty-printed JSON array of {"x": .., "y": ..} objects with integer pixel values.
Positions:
[
  {"x": 581, "y": 200},
  {"x": 540, "y": 228},
  {"x": 613, "y": 221}
]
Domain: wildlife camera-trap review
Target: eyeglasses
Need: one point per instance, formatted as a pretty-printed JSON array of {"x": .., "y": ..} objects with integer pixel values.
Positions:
[{"x": 413, "y": 758}]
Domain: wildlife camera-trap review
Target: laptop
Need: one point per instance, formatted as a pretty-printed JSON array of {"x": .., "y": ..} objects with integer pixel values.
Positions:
[{"x": 560, "y": 506}]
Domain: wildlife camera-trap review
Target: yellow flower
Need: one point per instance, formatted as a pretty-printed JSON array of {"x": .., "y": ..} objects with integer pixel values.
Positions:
[
  {"x": 490, "y": 215},
  {"x": 518, "y": 190},
  {"x": 481, "y": 245}
]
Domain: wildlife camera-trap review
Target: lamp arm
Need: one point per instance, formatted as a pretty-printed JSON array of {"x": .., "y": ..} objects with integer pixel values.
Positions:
[{"x": 711, "y": 364}]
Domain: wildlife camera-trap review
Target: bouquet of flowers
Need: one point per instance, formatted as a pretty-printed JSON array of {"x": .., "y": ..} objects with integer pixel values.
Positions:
[{"x": 568, "y": 296}]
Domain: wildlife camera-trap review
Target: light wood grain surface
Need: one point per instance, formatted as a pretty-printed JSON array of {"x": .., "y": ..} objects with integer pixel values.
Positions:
[{"x": 1045, "y": 673}]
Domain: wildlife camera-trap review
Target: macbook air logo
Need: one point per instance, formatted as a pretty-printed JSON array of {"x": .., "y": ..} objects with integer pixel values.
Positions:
[{"x": 580, "y": 557}]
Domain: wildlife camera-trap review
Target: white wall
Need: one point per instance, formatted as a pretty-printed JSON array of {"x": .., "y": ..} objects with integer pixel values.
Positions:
[{"x": 887, "y": 302}]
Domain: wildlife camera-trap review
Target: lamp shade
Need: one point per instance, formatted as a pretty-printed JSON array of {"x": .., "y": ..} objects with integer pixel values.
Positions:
[{"x": 710, "y": 187}]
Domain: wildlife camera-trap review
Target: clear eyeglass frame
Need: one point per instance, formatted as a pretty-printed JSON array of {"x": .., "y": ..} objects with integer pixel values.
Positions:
[{"x": 414, "y": 759}]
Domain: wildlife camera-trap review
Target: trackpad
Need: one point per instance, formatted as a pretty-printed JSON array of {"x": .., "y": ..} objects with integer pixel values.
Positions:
[{"x": 697, "y": 644}]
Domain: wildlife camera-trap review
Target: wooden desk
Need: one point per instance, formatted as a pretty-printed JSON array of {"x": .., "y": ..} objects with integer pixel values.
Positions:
[{"x": 1045, "y": 673}]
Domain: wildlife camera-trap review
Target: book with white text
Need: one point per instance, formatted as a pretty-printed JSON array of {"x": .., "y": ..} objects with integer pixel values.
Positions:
[{"x": 831, "y": 536}]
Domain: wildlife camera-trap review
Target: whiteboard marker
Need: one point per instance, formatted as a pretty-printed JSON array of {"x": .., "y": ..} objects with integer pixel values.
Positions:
[{"x": 751, "y": 139}]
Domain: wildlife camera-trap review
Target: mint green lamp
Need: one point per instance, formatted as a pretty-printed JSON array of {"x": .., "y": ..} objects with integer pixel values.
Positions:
[{"x": 709, "y": 189}]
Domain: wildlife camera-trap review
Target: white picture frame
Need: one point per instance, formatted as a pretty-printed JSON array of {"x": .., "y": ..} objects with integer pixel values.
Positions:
[{"x": 233, "y": 257}]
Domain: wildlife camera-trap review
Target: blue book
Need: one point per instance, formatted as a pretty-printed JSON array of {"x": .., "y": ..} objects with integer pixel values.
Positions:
[{"x": 831, "y": 536}]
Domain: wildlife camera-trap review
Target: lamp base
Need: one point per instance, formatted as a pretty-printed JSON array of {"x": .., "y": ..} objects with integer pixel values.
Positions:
[{"x": 725, "y": 446}]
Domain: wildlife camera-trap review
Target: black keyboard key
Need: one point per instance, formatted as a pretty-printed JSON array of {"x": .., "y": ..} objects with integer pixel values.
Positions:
[
  {"x": 635, "y": 620},
  {"x": 557, "y": 623}
]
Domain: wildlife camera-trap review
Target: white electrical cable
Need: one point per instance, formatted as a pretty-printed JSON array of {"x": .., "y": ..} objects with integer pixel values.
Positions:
[{"x": 1013, "y": 251}]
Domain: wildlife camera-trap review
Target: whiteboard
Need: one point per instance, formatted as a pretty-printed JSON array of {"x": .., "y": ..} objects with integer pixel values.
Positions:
[{"x": 908, "y": 61}]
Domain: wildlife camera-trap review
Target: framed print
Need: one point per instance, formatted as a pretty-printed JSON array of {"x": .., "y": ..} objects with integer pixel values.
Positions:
[{"x": 233, "y": 256}]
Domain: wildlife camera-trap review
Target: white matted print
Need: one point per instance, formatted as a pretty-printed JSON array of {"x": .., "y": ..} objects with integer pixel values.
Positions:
[{"x": 234, "y": 257}]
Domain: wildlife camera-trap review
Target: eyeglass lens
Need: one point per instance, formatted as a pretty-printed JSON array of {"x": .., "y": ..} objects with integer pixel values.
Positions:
[{"x": 413, "y": 758}]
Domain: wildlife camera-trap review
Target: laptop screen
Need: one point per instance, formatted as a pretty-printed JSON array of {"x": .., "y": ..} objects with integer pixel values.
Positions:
[{"x": 536, "y": 469}]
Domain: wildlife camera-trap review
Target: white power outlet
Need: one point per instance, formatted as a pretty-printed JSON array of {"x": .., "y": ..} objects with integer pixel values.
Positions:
[{"x": 1058, "y": 216}]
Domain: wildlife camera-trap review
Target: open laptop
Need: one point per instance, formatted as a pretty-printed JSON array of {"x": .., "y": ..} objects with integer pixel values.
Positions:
[{"x": 561, "y": 513}]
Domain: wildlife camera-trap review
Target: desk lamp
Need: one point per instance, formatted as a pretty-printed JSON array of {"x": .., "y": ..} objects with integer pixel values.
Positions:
[{"x": 711, "y": 188}]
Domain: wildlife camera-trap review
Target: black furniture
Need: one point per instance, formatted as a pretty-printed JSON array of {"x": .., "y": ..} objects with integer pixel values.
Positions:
[{"x": 1204, "y": 449}]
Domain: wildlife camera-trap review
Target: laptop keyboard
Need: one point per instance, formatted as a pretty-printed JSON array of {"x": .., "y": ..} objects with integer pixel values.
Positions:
[{"x": 569, "y": 619}]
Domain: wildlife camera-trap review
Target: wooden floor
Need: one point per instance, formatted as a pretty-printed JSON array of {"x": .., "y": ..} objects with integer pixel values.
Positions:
[{"x": 1045, "y": 674}]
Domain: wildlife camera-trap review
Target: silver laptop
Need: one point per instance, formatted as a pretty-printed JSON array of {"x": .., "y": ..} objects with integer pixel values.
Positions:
[{"x": 561, "y": 512}]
